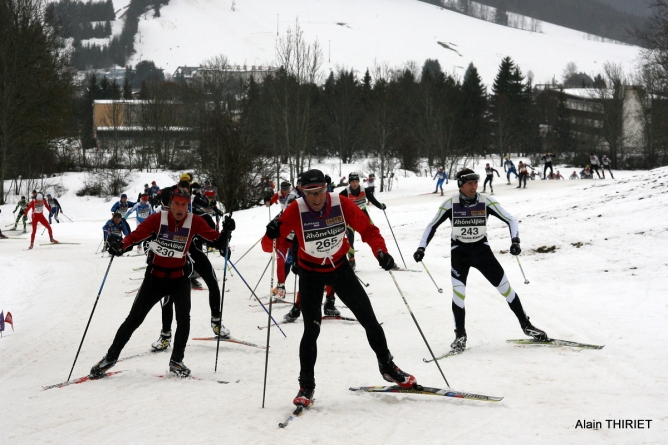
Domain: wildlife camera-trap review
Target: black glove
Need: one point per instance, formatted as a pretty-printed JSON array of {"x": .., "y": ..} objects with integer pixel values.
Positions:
[
  {"x": 115, "y": 246},
  {"x": 295, "y": 268},
  {"x": 228, "y": 224},
  {"x": 383, "y": 206},
  {"x": 515, "y": 247},
  {"x": 225, "y": 249},
  {"x": 386, "y": 261},
  {"x": 274, "y": 229},
  {"x": 419, "y": 254}
]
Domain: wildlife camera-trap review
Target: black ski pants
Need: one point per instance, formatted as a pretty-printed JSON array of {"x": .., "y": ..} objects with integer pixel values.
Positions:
[
  {"x": 152, "y": 290},
  {"x": 523, "y": 177},
  {"x": 489, "y": 179},
  {"x": 479, "y": 256},
  {"x": 595, "y": 168},
  {"x": 202, "y": 266},
  {"x": 352, "y": 294},
  {"x": 547, "y": 165}
]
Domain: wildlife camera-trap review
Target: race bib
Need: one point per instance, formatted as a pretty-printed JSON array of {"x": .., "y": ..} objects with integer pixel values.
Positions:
[
  {"x": 359, "y": 200},
  {"x": 323, "y": 237},
  {"x": 39, "y": 208},
  {"x": 144, "y": 212},
  {"x": 469, "y": 224},
  {"x": 171, "y": 244}
]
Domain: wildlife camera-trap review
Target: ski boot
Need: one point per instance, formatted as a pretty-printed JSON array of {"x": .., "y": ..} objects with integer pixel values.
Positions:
[
  {"x": 293, "y": 315},
  {"x": 304, "y": 397},
  {"x": 219, "y": 331},
  {"x": 54, "y": 241},
  {"x": 330, "y": 309},
  {"x": 101, "y": 367},
  {"x": 434, "y": 192},
  {"x": 179, "y": 369},
  {"x": 483, "y": 190},
  {"x": 31, "y": 246},
  {"x": 195, "y": 283},
  {"x": 2, "y": 236},
  {"x": 14, "y": 228},
  {"x": 533, "y": 331},
  {"x": 460, "y": 341},
  {"x": 279, "y": 292},
  {"x": 393, "y": 374},
  {"x": 162, "y": 342}
]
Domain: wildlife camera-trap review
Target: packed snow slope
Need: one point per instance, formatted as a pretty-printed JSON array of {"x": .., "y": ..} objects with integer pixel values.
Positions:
[
  {"x": 603, "y": 283},
  {"x": 357, "y": 34}
]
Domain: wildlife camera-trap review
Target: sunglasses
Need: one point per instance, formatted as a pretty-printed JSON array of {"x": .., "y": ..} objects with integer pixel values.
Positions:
[{"x": 315, "y": 192}]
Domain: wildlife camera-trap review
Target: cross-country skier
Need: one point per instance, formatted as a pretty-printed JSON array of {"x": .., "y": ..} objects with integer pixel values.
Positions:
[
  {"x": 606, "y": 163},
  {"x": 266, "y": 189},
  {"x": 284, "y": 249},
  {"x": 114, "y": 229},
  {"x": 153, "y": 193},
  {"x": 319, "y": 221},
  {"x": 524, "y": 173},
  {"x": 202, "y": 269},
  {"x": 442, "y": 176},
  {"x": 489, "y": 177},
  {"x": 166, "y": 275},
  {"x": 56, "y": 208},
  {"x": 574, "y": 175},
  {"x": 143, "y": 209},
  {"x": 547, "y": 158},
  {"x": 21, "y": 207},
  {"x": 468, "y": 212},
  {"x": 359, "y": 195},
  {"x": 146, "y": 192},
  {"x": 509, "y": 167},
  {"x": 595, "y": 164},
  {"x": 370, "y": 183},
  {"x": 37, "y": 206},
  {"x": 122, "y": 206},
  {"x": 558, "y": 175}
]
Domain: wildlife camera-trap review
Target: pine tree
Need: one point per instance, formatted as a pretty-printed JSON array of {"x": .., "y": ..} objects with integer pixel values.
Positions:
[
  {"x": 473, "y": 110},
  {"x": 127, "y": 88},
  {"x": 509, "y": 107}
]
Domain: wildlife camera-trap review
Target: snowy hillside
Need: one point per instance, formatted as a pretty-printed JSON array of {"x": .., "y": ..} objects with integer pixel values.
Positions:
[
  {"x": 603, "y": 283},
  {"x": 361, "y": 33}
]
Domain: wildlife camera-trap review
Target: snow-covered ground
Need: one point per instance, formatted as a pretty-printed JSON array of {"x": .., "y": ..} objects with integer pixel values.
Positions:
[
  {"x": 604, "y": 284},
  {"x": 356, "y": 34}
]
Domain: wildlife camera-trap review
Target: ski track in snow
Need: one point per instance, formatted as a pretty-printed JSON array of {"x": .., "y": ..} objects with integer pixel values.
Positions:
[{"x": 610, "y": 290}]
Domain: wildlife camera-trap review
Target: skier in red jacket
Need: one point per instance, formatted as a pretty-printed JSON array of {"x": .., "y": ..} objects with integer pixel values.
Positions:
[
  {"x": 166, "y": 275},
  {"x": 319, "y": 222},
  {"x": 37, "y": 206}
]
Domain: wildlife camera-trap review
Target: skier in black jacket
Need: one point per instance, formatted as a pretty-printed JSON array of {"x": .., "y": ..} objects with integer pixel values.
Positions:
[
  {"x": 359, "y": 195},
  {"x": 489, "y": 177}
]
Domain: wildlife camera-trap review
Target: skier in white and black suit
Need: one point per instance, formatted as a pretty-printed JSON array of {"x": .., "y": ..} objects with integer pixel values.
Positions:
[{"x": 468, "y": 211}]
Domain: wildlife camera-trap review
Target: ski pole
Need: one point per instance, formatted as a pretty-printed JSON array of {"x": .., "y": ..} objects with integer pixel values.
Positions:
[
  {"x": 251, "y": 248},
  {"x": 520, "y": 264},
  {"x": 91, "y": 317},
  {"x": 432, "y": 278},
  {"x": 360, "y": 280},
  {"x": 98, "y": 247},
  {"x": 395, "y": 239},
  {"x": 256, "y": 297},
  {"x": 222, "y": 295},
  {"x": 68, "y": 218},
  {"x": 294, "y": 292},
  {"x": 43, "y": 231},
  {"x": 266, "y": 355},
  {"x": 418, "y": 326},
  {"x": 258, "y": 281}
]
